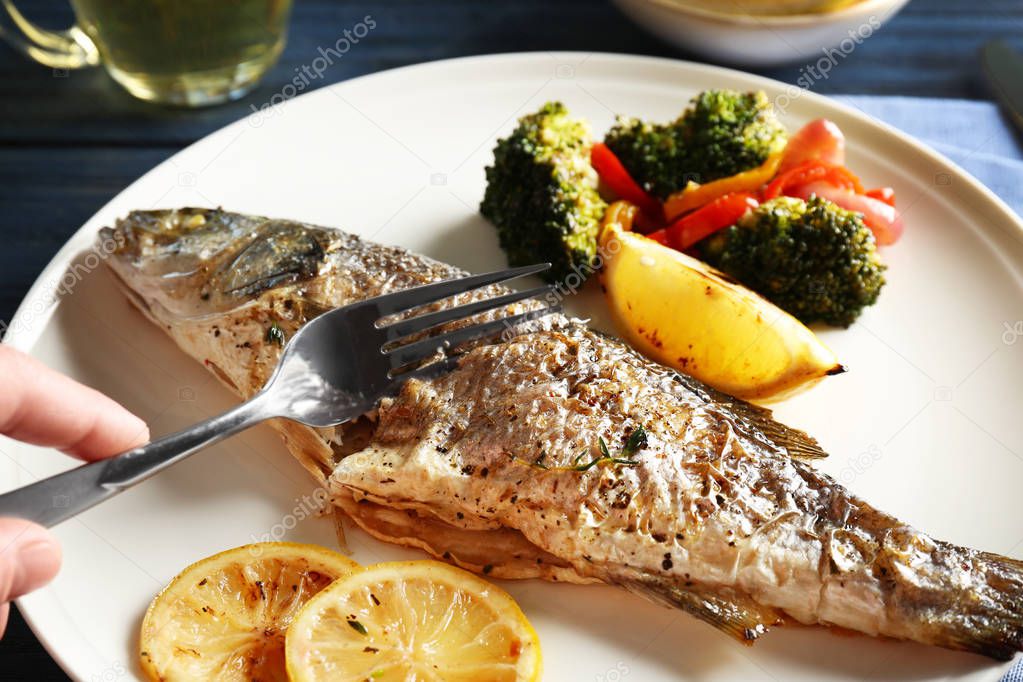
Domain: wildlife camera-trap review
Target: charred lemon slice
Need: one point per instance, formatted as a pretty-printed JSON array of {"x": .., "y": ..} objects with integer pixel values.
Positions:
[
  {"x": 415, "y": 620},
  {"x": 684, "y": 314},
  {"x": 224, "y": 618}
]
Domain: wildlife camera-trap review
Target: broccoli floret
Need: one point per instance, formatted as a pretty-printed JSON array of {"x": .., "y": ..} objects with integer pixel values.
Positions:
[
  {"x": 815, "y": 260},
  {"x": 654, "y": 154},
  {"x": 723, "y": 132},
  {"x": 729, "y": 132},
  {"x": 542, "y": 194}
]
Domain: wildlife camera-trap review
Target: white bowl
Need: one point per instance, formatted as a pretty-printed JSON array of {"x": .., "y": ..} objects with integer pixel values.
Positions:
[{"x": 763, "y": 40}]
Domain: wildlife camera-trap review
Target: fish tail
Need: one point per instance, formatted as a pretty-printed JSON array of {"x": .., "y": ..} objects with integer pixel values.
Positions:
[
  {"x": 965, "y": 600},
  {"x": 735, "y": 614},
  {"x": 991, "y": 622}
]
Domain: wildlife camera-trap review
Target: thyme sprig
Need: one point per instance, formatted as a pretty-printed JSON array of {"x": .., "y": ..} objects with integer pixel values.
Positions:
[
  {"x": 636, "y": 441},
  {"x": 275, "y": 334}
]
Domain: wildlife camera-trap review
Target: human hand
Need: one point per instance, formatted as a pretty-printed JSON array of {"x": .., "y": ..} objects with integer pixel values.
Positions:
[{"x": 43, "y": 407}]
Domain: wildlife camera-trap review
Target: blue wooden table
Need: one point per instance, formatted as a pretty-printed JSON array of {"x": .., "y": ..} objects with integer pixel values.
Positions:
[{"x": 70, "y": 141}]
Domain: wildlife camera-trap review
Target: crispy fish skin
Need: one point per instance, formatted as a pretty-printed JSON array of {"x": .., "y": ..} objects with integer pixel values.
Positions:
[
  {"x": 714, "y": 518},
  {"x": 716, "y": 513}
]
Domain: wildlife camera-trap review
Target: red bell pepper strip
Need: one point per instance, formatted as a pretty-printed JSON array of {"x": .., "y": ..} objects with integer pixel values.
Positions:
[
  {"x": 703, "y": 222},
  {"x": 813, "y": 171},
  {"x": 660, "y": 236},
  {"x": 618, "y": 180}
]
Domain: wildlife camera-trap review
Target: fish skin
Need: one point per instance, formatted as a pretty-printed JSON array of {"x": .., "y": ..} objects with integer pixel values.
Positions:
[{"x": 716, "y": 516}]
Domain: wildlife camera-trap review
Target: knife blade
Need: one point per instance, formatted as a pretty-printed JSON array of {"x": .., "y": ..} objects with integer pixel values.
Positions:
[{"x": 1003, "y": 67}]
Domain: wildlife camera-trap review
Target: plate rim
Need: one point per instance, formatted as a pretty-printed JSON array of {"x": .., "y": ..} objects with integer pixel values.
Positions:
[{"x": 22, "y": 334}]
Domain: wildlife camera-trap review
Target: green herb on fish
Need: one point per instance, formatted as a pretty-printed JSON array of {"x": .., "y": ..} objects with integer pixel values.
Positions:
[
  {"x": 275, "y": 334},
  {"x": 357, "y": 626},
  {"x": 599, "y": 461},
  {"x": 636, "y": 441},
  {"x": 536, "y": 463}
]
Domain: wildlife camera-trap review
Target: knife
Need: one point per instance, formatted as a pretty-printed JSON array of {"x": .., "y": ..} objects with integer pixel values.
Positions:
[{"x": 1003, "y": 67}]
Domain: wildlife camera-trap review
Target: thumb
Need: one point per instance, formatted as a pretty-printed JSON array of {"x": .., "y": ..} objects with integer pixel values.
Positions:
[{"x": 29, "y": 558}]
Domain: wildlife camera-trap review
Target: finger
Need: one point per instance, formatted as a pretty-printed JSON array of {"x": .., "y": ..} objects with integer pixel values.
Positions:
[
  {"x": 29, "y": 557},
  {"x": 5, "y": 610},
  {"x": 44, "y": 407}
]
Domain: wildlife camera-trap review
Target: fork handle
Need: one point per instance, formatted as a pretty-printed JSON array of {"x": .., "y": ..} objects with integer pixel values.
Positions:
[{"x": 58, "y": 498}]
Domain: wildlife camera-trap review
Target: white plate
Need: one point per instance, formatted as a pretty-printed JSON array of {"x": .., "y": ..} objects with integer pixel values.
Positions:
[{"x": 925, "y": 425}]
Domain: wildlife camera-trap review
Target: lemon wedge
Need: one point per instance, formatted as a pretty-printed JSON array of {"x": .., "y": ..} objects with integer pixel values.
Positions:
[
  {"x": 684, "y": 314},
  {"x": 412, "y": 621},
  {"x": 224, "y": 617}
]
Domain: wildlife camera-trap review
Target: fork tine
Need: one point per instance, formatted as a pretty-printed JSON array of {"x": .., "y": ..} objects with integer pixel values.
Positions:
[
  {"x": 428, "y": 293},
  {"x": 429, "y": 371},
  {"x": 417, "y": 324},
  {"x": 424, "y": 348}
]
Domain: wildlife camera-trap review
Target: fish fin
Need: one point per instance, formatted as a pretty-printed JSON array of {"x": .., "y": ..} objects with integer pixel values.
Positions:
[
  {"x": 735, "y": 615},
  {"x": 795, "y": 442},
  {"x": 999, "y": 560},
  {"x": 339, "y": 531}
]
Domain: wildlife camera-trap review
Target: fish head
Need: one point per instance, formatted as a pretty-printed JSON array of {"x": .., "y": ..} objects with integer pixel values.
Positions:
[{"x": 197, "y": 262}]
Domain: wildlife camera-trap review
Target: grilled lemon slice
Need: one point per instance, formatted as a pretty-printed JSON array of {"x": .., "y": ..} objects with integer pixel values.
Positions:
[
  {"x": 224, "y": 617},
  {"x": 414, "y": 620}
]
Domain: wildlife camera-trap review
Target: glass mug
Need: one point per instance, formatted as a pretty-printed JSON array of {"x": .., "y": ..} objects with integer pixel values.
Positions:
[{"x": 185, "y": 52}]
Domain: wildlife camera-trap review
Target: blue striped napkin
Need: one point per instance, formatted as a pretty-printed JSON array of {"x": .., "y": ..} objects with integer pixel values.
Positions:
[{"x": 978, "y": 137}]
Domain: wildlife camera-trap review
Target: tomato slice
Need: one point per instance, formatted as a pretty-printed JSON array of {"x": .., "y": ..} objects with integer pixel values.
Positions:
[
  {"x": 613, "y": 173},
  {"x": 703, "y": 222},
  {"x": 882, "y": 218},
  {"x": 813, "y": 171},
  {"x": 818, "y": 140}
]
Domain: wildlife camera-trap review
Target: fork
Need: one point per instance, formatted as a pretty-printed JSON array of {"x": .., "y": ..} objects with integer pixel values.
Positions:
[{"x": 333, "y": 369}]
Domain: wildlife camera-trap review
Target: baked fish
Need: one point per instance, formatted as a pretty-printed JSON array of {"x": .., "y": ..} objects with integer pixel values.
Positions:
[{"x": 559, "y": 453}]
